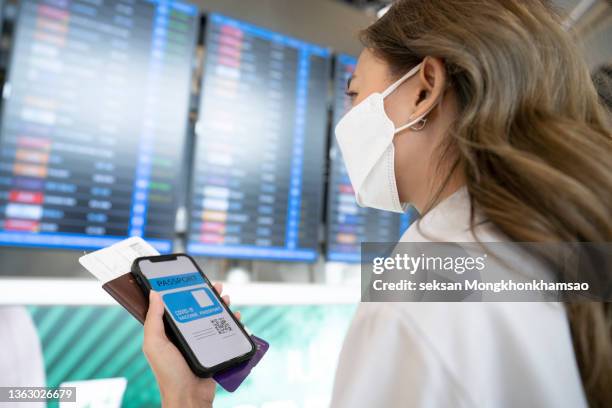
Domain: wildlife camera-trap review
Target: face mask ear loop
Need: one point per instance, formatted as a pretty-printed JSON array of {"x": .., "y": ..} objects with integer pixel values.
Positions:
[
  {"x": 400, "y": 81},
  {"x": 417, "y": 124}
]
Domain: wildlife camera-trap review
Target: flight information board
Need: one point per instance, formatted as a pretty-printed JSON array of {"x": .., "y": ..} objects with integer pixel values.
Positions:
[
  {"x": 348, "y": 224},
  {"x": 259, "y": 161},
  {"x": 94, "y": 122}
]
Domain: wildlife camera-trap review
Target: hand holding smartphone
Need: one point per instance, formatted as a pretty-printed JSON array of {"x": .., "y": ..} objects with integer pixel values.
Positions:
[{"x": 200, "y": 324}]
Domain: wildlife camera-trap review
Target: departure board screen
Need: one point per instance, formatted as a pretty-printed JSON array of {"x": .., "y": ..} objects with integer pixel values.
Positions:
[
  {"x": 94, "y": 122},
  {"x": 260, "y": 151},
  {"x": 349, "y": 224}
]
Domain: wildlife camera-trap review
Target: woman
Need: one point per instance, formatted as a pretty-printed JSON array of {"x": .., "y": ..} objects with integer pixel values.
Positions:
[{"x": 495, "y": 133}]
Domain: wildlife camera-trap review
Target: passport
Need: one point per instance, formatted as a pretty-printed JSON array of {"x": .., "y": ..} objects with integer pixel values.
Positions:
[
  {"x": 108, "y": 265},
  {"x": 128, "y": 294}
]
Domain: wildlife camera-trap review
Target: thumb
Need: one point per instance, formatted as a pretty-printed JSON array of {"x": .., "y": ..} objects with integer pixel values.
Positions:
[{"x": 154, "y": 323}]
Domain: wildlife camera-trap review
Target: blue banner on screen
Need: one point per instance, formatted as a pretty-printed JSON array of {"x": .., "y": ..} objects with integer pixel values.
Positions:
[{"x": 176, "y": 281}]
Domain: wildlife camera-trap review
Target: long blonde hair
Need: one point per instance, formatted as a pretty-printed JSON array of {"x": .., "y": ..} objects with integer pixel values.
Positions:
[{"x": 531, "y": 137}]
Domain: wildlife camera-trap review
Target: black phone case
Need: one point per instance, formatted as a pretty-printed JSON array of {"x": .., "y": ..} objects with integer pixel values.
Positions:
[{"x": 174, "y": 333}]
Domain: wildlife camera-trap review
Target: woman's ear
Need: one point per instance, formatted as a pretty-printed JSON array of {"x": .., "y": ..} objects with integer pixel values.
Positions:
[
  {"x": 431, "y": 84},
  {"x": 418, "y": 95}
]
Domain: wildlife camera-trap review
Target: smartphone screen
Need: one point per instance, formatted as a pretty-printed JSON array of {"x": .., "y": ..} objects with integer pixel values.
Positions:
[{"x": 207, "y": 327}]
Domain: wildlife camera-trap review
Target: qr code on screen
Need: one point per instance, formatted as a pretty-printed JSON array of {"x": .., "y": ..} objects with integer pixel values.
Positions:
[{"x": 221, "y": 325}]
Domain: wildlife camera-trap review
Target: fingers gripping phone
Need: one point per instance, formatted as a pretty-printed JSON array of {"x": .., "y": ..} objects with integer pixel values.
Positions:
[{"x": 203, "y": 328}]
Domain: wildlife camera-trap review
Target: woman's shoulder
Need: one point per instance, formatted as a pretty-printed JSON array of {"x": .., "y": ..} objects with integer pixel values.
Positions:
[
  {"x": 524, "y": 344},
  {"x": 453, "y": 317},
  {"x": 444, "y": 325}
]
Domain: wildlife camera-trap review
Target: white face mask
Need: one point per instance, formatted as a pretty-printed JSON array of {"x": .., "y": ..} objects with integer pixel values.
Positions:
[{"x": 365, "y": 137}]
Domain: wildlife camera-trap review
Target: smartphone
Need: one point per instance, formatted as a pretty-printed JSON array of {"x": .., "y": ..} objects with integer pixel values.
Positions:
[{"x": 209, "y": 336}]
